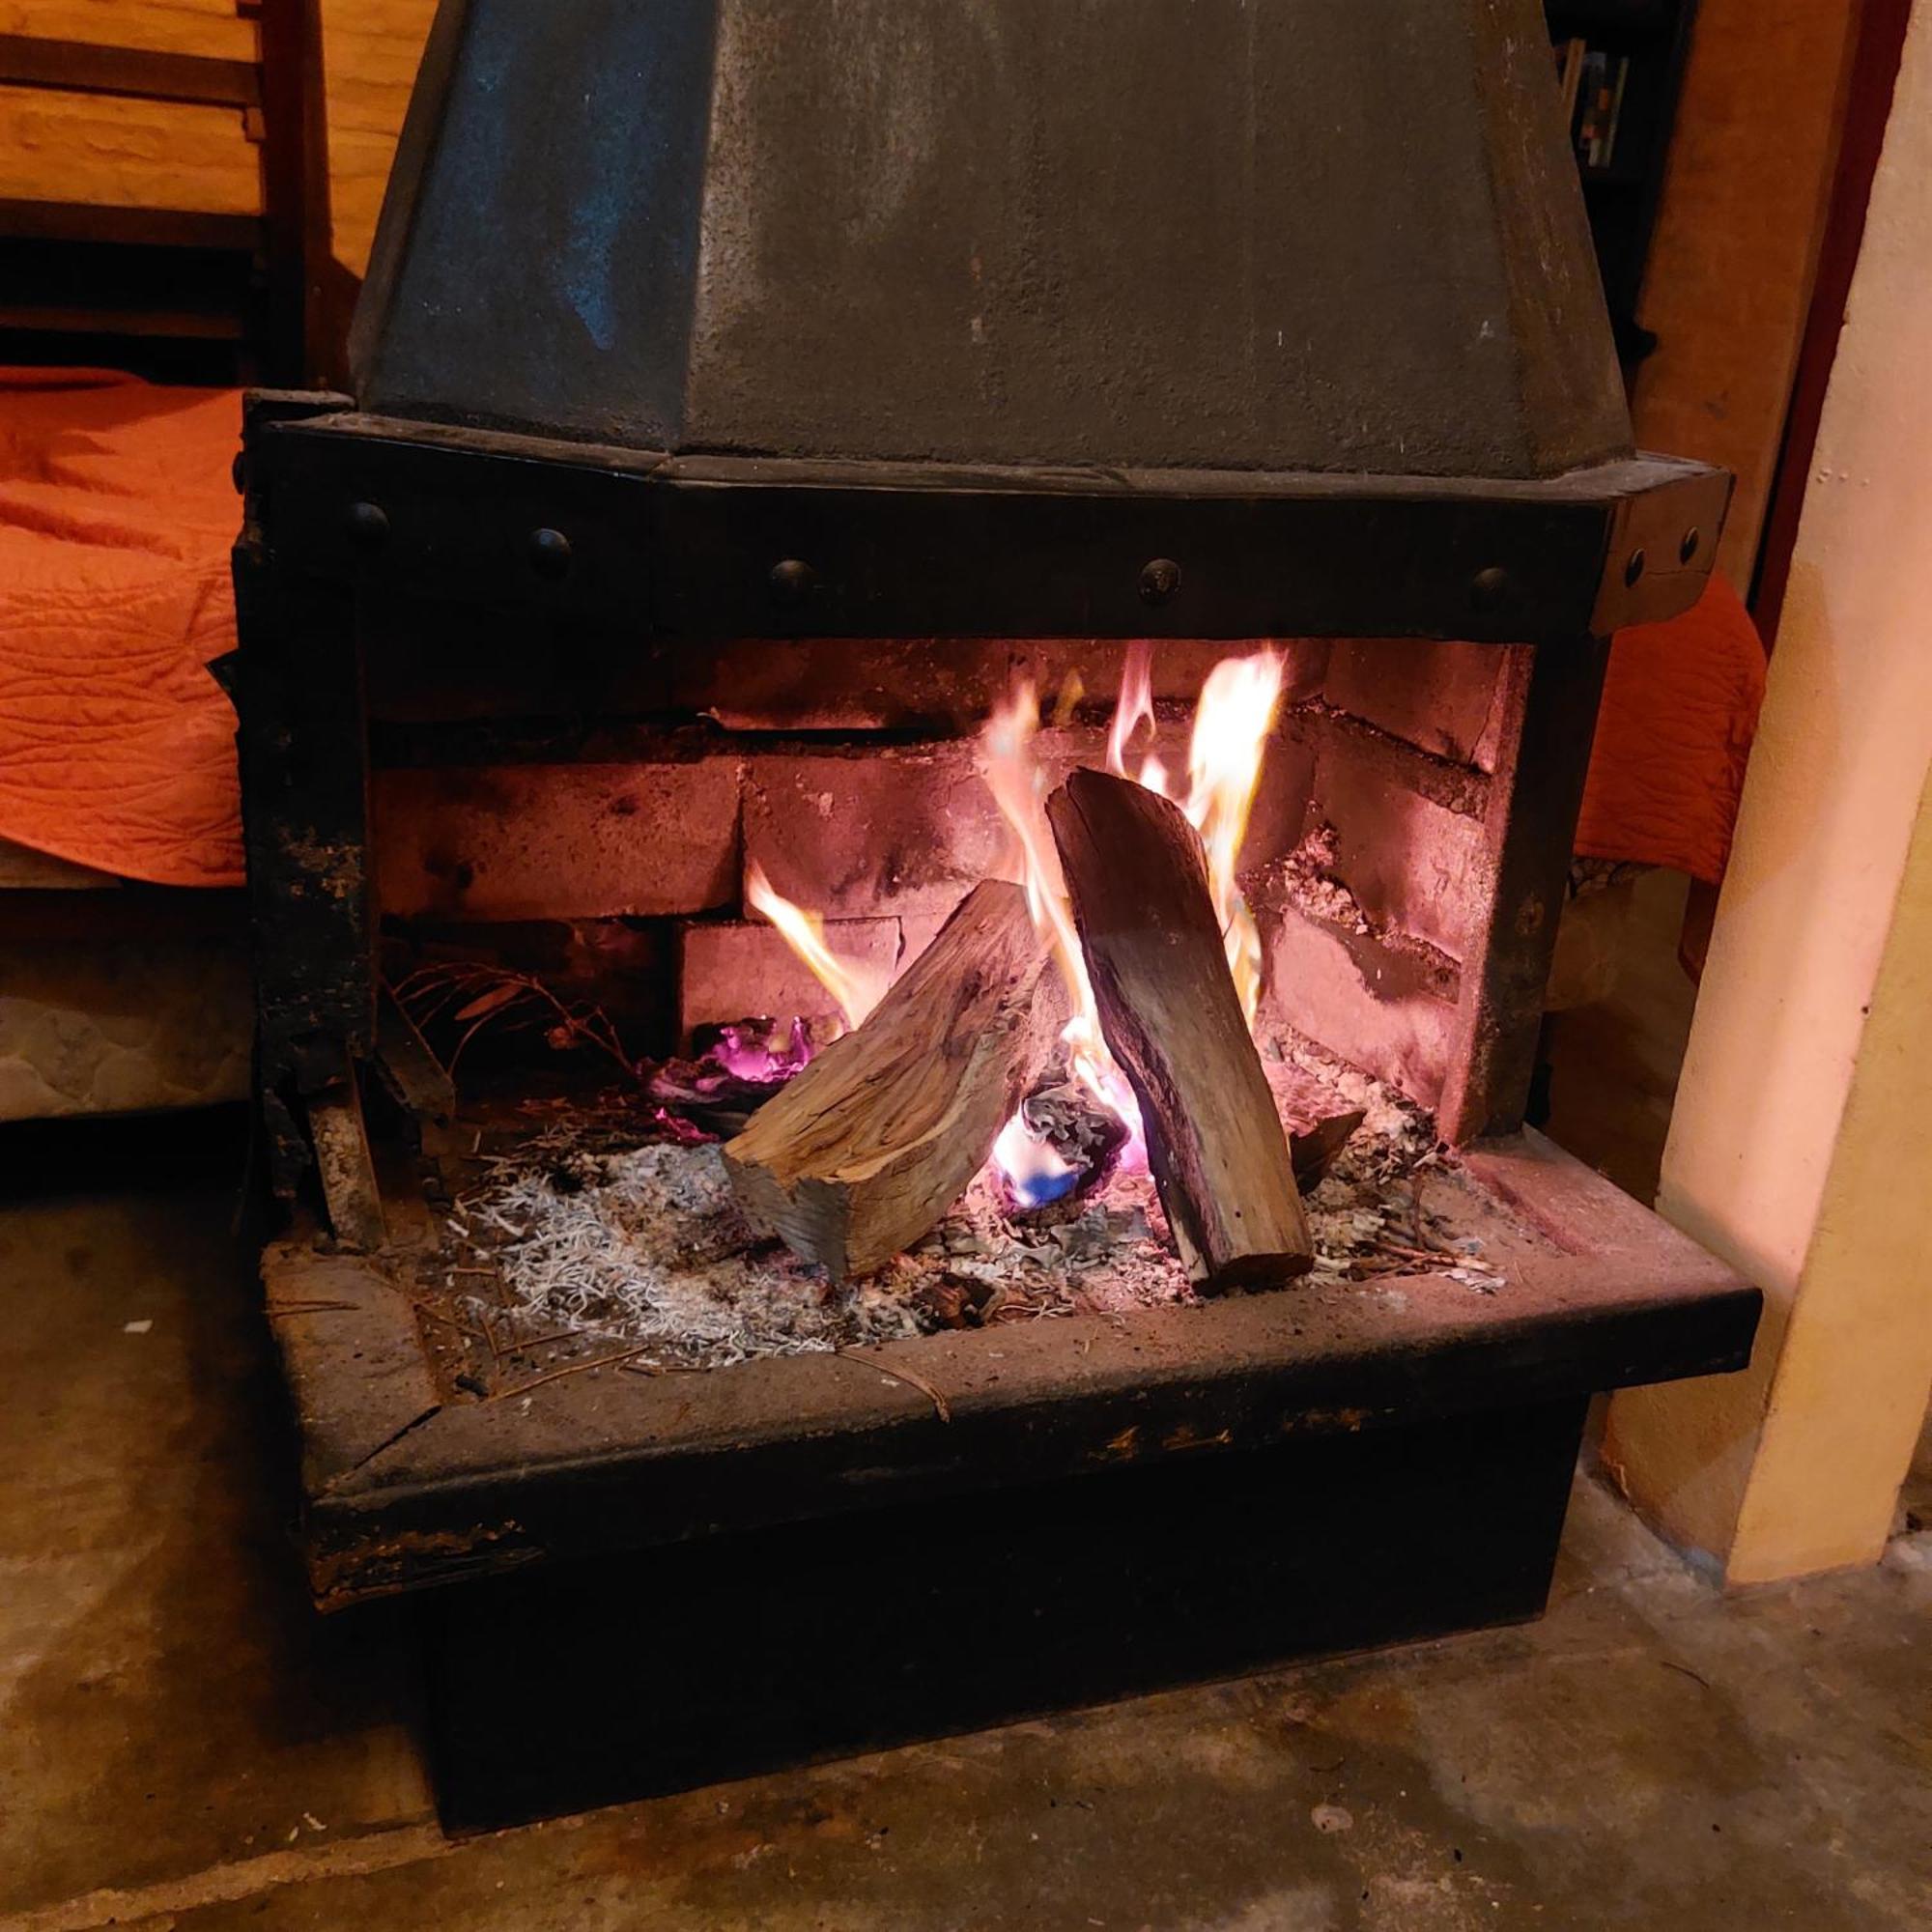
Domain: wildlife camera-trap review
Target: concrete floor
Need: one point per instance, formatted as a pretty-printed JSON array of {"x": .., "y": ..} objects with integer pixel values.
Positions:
[{"x": 183, "y": 1744}]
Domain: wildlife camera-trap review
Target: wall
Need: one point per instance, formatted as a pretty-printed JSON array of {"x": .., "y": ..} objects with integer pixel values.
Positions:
[
  {"x": 57, "y": 146},
  {"x": 1800, "y": 1147},
  {"x": 1730, "y": 270},
  {"x": 370, "y": 49}
]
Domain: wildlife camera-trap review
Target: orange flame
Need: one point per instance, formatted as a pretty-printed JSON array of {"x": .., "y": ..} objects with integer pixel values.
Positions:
[
  {"x": 1013, "y": 776},
  {"x": 1231, "y": 723},
  {"x": 857, "y": 989},
  {"x": 1135, "y": 705}
]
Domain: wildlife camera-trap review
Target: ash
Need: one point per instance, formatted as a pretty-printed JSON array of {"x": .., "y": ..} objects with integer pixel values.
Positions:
[
  {"x": 647, "y": 1246},
  {"x": 590, "y": 1235}
]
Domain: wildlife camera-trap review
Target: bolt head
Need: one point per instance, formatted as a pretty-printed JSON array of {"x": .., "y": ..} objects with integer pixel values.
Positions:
[
  {"x": 792, "y": 581},
  {"x": 550, "y": 554},
  {"x": 1634, "y": 568},
  {"x": 1693, "y": 539},
  {"x": 1159, "y": 580},
  {"x": 1490, "y": 589},
  {"x": 368, "y": 526}
]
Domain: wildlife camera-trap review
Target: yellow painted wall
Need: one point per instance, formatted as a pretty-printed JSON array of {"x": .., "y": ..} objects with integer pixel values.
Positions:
[{"x": 1800, "y": 1146}]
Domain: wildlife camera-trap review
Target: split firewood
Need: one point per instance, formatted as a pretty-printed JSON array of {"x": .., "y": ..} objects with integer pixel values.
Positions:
[
  {"x": 1138, "y": 880},
  {"x": 864, "y": 1151}
]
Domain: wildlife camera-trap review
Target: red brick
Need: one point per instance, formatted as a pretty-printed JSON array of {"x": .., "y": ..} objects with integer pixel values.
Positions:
[
  {"x": 883, "y": 829},
  {"x": 909, "y": 828},
  {"x": 841, "y": 684},
  {"x": 739, "y": 969},
  {"x": 1367, "y": 1002},
  {"x": 1181, "y": 665},
  {"x": 1410, "y": 863},
  {"x": 557, "y": 841},
  {"x": 1439, "y": 696}
]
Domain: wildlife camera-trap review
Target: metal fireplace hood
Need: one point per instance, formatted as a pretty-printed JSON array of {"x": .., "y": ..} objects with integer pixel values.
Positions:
[{"x": 1210, "y": 279}]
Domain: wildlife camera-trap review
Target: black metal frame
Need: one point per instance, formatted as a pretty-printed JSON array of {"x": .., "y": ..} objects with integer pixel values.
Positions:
[
  {"x": 608, "y": 550},
  {"x": 705, "y": 548}
]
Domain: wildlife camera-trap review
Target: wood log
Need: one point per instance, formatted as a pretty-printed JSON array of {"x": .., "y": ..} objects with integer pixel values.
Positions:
[
  {"x": 1138, "y": 880},
  {"x": 864, "y": 1151}
]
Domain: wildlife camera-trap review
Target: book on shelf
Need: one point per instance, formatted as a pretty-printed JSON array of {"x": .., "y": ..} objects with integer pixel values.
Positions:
[{"x": 1593, "y": 81}]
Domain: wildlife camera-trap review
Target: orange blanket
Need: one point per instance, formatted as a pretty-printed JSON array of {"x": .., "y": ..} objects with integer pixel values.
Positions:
[
  {"x": 116, "y": 748},
  {"x": 1680, "y": 709}
]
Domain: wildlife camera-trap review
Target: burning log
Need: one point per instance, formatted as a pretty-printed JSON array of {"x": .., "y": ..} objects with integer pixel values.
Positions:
[
  {"x": 867, "y": 1149},
  {"x": 1137, "y": 876}
]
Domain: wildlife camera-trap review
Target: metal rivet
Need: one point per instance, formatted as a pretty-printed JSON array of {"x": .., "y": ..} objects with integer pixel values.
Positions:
[
  {"x": 549, "y": 552},
  {"x": 793, "y": 579},
  {"x": 368, "y": 526},
  {"x": 238, "y": 472},
  {"x": 1634, "y": 569},
  {"x": 1490, "y": 589},
  {"x": 1159, "y": 580},
  {"x": 1687, "y": 549}
]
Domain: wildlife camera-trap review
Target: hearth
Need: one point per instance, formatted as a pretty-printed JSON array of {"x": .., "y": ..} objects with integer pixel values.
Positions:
[{"x": 909, "y": 762}]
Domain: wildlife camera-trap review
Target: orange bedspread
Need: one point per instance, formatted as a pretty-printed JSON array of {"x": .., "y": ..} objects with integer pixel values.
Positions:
[
  {"x": 116, "y": 748},
  {"x": 1680, "y": 709}
]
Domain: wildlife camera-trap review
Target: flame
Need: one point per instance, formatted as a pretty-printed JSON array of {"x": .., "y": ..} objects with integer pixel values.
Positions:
[
  {"x": 1019, "y": 786},
  {"x": 1233, "y": 721},
  {"x": 856, "y": 988},
  {"x": 1133, "y": 708},
  {"x": 1034, "y": 1170}
]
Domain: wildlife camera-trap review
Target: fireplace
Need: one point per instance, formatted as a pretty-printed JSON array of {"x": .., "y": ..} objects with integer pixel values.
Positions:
[{"x": 796, "y": 448}]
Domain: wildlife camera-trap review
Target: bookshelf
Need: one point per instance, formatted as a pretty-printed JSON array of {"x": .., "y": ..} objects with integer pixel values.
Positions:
[{"x": 1621, "y": 62}]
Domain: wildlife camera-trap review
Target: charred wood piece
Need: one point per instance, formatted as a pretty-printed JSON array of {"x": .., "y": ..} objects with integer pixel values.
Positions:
[{"x": 1138, "y": 880}]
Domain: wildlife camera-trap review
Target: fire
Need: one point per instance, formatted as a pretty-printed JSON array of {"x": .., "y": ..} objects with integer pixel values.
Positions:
[
  {"x": 1018, "y": 786},
  {"x": 1231, "y": 723},
  {"x": 855, "y": 989},
  {"x": 1034, "y": 1171}
]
